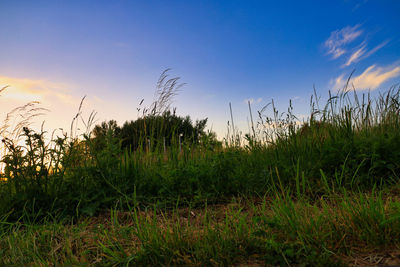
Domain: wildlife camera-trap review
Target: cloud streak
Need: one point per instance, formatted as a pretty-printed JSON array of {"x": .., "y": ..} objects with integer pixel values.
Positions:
[
  {"x": 371, "y": 78},
  {"x": 29, "y": 89},
  {"x": 356, "y": 56},
  {"x": 62, "y": 103},
  {"x": 252, "y": 100},
  {"x": 340, "y": 38},
  {"x": 372, "y": 51},
  {"x": 363, "y": 53}
]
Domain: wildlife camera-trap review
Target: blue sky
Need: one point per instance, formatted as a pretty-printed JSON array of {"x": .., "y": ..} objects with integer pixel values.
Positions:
[{"x": 226, "y": 51}]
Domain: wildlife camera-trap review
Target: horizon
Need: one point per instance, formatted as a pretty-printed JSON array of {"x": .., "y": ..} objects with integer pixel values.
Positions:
[{"x": 56, "y": 52}]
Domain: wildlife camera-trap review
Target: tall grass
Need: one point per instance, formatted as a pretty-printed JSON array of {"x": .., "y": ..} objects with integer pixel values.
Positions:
[
  {"x": 351, "y": 143},
  {"x": 291, "y": 192}
]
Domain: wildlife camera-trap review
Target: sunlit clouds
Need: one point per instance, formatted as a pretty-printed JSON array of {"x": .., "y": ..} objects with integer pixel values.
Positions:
[
  {"x": 22, "y": 89},
  {"x": 345, "y": 44},
  {"x": 362, "y": 53},
  {"x": 341, "y": 44},
  {"x": 371, "y": 78},
  {"x": 337, "y": 41},
  {"x": 61, "y": 99},
  {"x": 356, "y": 56},
  {"x": 52, "y": 96}
]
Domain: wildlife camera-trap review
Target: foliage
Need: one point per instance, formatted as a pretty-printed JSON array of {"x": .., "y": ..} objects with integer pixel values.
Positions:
[
  {"x": 154, "y": 130},
  {"x": 327, "y": 185},
  {"x": 327, "y": 154}
]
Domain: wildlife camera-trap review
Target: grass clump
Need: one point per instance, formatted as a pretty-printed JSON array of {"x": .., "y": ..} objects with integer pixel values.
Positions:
[{"x": 279, "y": 232}]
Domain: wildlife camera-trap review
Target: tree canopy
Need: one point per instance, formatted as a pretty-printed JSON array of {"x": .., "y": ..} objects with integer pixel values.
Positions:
[
  {"x": 166, "y": 128},
  {"x": 157, "y": 126}
]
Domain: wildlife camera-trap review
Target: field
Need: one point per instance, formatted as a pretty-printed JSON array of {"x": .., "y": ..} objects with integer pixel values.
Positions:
[{"x": 324, "y": 191}]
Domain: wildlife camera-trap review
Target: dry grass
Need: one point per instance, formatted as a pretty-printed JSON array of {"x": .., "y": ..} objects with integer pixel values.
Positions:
[{"x": 114, "y": 236}]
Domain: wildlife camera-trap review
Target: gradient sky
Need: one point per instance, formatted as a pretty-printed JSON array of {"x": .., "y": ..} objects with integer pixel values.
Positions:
[{"x": 226, "y": 51}]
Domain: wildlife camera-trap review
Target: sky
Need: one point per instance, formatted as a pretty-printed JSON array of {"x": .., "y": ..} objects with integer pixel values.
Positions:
[{"x": 112, "y": 52}]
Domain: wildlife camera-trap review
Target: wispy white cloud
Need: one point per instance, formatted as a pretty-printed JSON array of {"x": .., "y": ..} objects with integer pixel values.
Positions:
[
  {"x": 356, "y": 56},
  {"x": 376, "y": 48},
  {"x": 340, "y": 38},
  {"x": 358, "y": 4},
  {"x": 371, "y": 78},
  {"x": 252, "y": 100},
  {"x": 362, "y": 53}
]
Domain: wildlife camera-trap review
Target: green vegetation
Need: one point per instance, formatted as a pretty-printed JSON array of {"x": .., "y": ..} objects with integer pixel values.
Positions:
[
  {"x": 152, "y": 132},
  {"x": 320, "y": 192}
]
